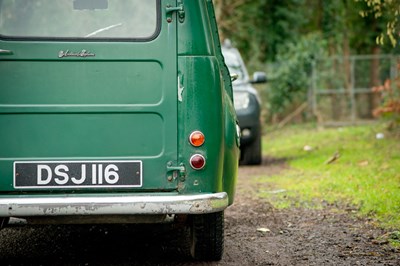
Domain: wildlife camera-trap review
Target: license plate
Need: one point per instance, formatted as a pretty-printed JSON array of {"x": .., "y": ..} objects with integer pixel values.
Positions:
[{"x": 77, "y": 174}]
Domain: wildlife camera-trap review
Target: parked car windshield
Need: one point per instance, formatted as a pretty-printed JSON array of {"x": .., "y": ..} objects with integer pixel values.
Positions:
[
  {"x": 91, "y": 19},
  {"x": 234, "y": 65}
]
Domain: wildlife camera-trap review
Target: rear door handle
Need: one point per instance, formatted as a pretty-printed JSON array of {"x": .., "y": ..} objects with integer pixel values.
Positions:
[{"x": 5, "y": 52}]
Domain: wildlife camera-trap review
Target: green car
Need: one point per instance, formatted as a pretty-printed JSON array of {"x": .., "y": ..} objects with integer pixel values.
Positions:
[{"x": 117, "y": 111}]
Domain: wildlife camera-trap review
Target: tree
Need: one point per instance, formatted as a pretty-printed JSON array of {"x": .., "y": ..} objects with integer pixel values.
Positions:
[
  {"x": 265, "y": 30},
  {"x": 389, "y": 10},
  {"x": 290, "y": 78},
  {"x": 259, "y": 28}
]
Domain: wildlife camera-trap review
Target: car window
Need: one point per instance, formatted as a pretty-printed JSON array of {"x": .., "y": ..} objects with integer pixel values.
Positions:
[{"x": 90, "y": 19}]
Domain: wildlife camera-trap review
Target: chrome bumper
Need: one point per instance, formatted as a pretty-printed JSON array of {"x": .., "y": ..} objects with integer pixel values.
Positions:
[{"x": 113, "y": 205}]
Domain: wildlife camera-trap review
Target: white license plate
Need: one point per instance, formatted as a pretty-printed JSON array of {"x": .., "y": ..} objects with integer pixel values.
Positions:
[{"x": 76, "y": 174}]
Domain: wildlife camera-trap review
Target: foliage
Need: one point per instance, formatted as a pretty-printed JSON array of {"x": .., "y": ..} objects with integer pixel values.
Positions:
[
  {"x": 364, "y": 177},
  {"x": 394, "y": 238},
  {"x": 388, "y": 9},
  {"x": 290, "y": 77},
  {"x": 278, "y": 33},
  {"x": 390, "y": 108},
  {"x": 259, "y": 28}
]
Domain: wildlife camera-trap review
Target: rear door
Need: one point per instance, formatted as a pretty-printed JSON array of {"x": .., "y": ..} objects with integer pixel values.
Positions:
[{"x": 88, "y": 90}]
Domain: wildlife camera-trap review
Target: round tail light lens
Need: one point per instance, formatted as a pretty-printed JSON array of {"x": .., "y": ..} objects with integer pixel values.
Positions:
[
  {"x": 197, "y": 161},
  {"x": 197, "y": 138}
]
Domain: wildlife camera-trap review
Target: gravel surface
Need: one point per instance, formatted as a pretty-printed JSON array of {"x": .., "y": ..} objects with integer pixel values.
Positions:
[{"x": 256, "y": 234}]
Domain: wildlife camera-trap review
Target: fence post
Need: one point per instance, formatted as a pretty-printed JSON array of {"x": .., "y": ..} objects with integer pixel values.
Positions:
[
  {"x": 312, "y": 93},
  {"x": 393, "y": 68},
  {"x": 353, "y": 103},
  {"x": 394, "y": 72}
]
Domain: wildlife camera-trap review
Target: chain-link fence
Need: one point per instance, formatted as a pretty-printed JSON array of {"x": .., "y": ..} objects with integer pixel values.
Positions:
[{"x": 341, "y": 90}]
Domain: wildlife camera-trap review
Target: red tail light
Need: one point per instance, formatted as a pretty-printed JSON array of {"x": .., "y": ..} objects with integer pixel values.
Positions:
[{"x": 197, "y": 161}]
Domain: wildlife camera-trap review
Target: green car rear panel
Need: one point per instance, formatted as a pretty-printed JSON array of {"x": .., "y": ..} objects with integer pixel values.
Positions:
[{"x": 100, "y": 90}]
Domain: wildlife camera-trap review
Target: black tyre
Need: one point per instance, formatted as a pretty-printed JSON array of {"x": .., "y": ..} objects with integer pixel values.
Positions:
[
  {"x": 251, "y": 154},
  {"x": 3, "y": 222},
  {"x": 207, "y": 236}
]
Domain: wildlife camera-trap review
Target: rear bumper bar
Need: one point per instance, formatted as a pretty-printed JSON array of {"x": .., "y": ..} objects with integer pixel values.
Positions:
[{"x": 113, "y": 205}]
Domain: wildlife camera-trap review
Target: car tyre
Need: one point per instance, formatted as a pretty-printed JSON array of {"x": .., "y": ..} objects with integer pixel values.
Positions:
[
  {"x": 3, "y": 222},
  {"x": 207, "y": 236},
  {"x": 251, "y": 154}
]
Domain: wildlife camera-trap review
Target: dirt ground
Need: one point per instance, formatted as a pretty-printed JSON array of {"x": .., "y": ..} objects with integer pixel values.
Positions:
[{"x": 290, "y": 237}]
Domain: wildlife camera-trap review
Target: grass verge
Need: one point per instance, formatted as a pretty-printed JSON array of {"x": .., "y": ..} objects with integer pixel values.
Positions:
[{"x": 353, "y": 167}]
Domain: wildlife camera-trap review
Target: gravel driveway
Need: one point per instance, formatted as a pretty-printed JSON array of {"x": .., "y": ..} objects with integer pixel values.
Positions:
[{"x": 256, "y": 234}]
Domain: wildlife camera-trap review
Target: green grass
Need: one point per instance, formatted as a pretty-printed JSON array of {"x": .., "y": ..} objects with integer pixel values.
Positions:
[{"x": 365, "y": 178}]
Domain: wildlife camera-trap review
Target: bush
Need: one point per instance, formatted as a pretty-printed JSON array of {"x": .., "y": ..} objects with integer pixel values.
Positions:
[
  {"x": 290, "y": 77},
  {"x": 390, "y": 107}
]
